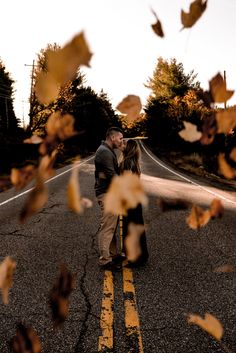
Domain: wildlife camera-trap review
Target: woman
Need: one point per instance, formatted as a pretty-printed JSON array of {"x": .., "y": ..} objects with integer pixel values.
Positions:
[{"x": 131, "y": 162}]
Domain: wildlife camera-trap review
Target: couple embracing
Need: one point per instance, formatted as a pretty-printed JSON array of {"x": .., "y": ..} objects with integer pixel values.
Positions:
[{"x": 106, "y": 167}]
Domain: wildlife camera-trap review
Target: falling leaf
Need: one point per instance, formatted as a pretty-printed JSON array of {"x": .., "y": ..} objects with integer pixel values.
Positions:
[
  {"x": 216, "y": 209},
  {"x": 225, "y": 168},
  {"x": 169, "y": 205},
  {"x": 26, "y": 340},
  {"x": 157, "y": 27},
  {"x": 225, "y": 269},
  {"x": 35, "y": 202},
  {"x": 226, "y": 121},
  {"x": 21, "y": 177},
  {"x": 198, "y": 217},
  {"x": 131, "y": 106},
  {"x": 7, "y": 268},
  {"x": 218, "y": 89},
  {"x": 45, "y": 169},
  {"x": 59, "y": 296},
  {"x": 46, "y": 88},
  {"x": 61, "y": 126},
  {"x": 125, "y": 191},
  {"x": 209, "y": 323},
  {"x": 190, "y": 132},
  {"x": 34, "y": 139},
  {"x": 233, "y": 154},
  {"x": 196, "y": 10},
  {"x": 132, "y": 241},
  {"x": 209, "y": 129}
]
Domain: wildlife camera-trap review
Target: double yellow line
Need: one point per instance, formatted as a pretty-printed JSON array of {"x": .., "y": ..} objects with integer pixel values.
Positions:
[{"x": 132, "y": 324}]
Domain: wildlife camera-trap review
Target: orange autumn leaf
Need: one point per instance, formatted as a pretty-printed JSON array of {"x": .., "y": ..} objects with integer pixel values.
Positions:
[
  {"x": 225, "y": 269},
  {"x": 225, "y": 168},
  {"x": 21, "y": 177},
  {"x": 46, "y": 88},
  {"x": 218, "y": 89},
  {"x": 38, "y": 197},
  {"x": 190, "y": 132},
  {"x": 157, "y": 27},
  {"x": 45, "y": 169},
  {"x": 7, "y": 268},
  {"x": 26, "y": 340},
  {"x": 216, "y": 209},
  {"x": 131, "y": 106},
  {"x": 125, "y": 191},
  {"x": 226, "y": 121},
  {"x": 61, "y": 126},
  {"x": 132, "y": 241},
  {"x": 196, "y": 10},
  {"x": 198, "y": 217},
  {"x": 233, "y": 154},
  {"x": 209, "y": 324}
]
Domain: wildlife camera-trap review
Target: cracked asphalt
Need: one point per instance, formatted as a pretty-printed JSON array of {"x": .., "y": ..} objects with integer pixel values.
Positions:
[{"x": 179, "y": 278}]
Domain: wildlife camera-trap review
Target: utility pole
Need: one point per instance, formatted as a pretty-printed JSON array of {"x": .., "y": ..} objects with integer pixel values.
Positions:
[
  {"x": 225, "y": 86},
  {"x": 31, "y": 92}
]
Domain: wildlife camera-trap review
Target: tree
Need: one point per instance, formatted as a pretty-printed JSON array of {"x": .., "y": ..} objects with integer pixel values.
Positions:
[{"x": 8, "y": 121}]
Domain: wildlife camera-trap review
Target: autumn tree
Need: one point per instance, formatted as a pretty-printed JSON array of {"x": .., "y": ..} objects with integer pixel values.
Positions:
[{"x": 8, "y": 121}]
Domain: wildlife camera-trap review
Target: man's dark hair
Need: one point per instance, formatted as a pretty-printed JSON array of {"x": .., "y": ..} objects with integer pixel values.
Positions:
[{"x": 113, "y": 129}]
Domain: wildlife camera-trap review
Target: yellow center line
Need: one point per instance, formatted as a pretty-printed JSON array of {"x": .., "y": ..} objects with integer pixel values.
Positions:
[
  {"x": 132, "y": 324},
  {"x": 105, "y": 341}
]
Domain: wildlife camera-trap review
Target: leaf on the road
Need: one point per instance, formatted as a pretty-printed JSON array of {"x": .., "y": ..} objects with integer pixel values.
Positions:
[
  {"x": 132, "y": 241},
  {"x": 125, "y": 191},
  {"x": 209, "y": 129},
  {"x": 209, "y": 323},
  {"x": 157, "y": 27},
  {"x": 7, "y": 268},
  {"x": 225, "y": 168},
  {"x": 198, "y": 217},
  {"x": 226, "y": 121},
  {"x": 62, "y": 66},
  {"x": 59, "y": 296},
  {"x": 35, "y": 202},
  {"x": 131, "y": 106},
  {"x": 34, "y": 139},
  {"x": 233, "y": 154},
  {"x": 218, "y": 89},
  {"x": 216, "y": 209},
  {"x": 227, "y": 268},
  {"x": 45, "y": 169},
  {"x": 172, "y": 204},
  {"x": 190, "y": 132},
  {"x": 26, "y": 340},
  {"x": 21, "y": 177},
  {"x": 60, "y": 125},
  {"x": 196, "y": 10}
]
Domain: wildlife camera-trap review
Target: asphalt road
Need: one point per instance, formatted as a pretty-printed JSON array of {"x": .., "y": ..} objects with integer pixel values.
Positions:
[{"x": 178, "y": 279}]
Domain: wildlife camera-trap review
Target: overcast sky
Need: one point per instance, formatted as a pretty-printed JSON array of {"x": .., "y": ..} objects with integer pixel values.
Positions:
[{"x": 119, "y": 34}]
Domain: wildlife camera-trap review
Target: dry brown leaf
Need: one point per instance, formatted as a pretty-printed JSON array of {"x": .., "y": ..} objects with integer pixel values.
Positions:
[
  {"x": 225, "y": 168},
  {"x": 46, "y": 88},
  {"x": 216, "y": 209},
  {"x": 157, "y": 27},
  {"x": 7, "y": 268},
  {"x": 125, "y": 191},
  {"x": 61, "y": 126},
  {"x": 26, "y": 340},
  {"x": 64, "y": 63},
  {"x": 198, "y": 217},
  {"x": 209, "y": 129},
  {"x": 190, "y": 132},
  {"x": 209, "y": 324},
  {"x": 132, "y": 241},
  {"x": 218, "y": 89},
  {"x": 226, "y": 121},
  {"x": 233, "y": 154},
  {"x": 21, "y": 177},
  {"x": 225, "y": 269},
  {"x": 169, "y": 205},
  {"x": 196, "y": 10},
  {"x": 59, "y": 295},
  {"x": 34, "y": 139},
  {"x": 35, "y": 202},
  {"x": 131, "y": 106},
  {"x": 45, "y": 169}
]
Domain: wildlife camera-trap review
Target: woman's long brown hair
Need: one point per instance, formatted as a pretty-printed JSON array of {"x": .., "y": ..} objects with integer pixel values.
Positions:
[{"x": 131, "y": 157}]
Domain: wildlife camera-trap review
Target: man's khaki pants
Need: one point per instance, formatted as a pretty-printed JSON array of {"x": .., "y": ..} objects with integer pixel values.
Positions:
[{"x": 107, "y": 243}]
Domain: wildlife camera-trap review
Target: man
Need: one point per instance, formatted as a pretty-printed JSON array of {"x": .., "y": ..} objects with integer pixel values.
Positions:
[{"x": 106, "y": 167}]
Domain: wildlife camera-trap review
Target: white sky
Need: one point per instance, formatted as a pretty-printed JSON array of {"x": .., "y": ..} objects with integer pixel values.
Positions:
[{"x": 119, "y": 34}]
